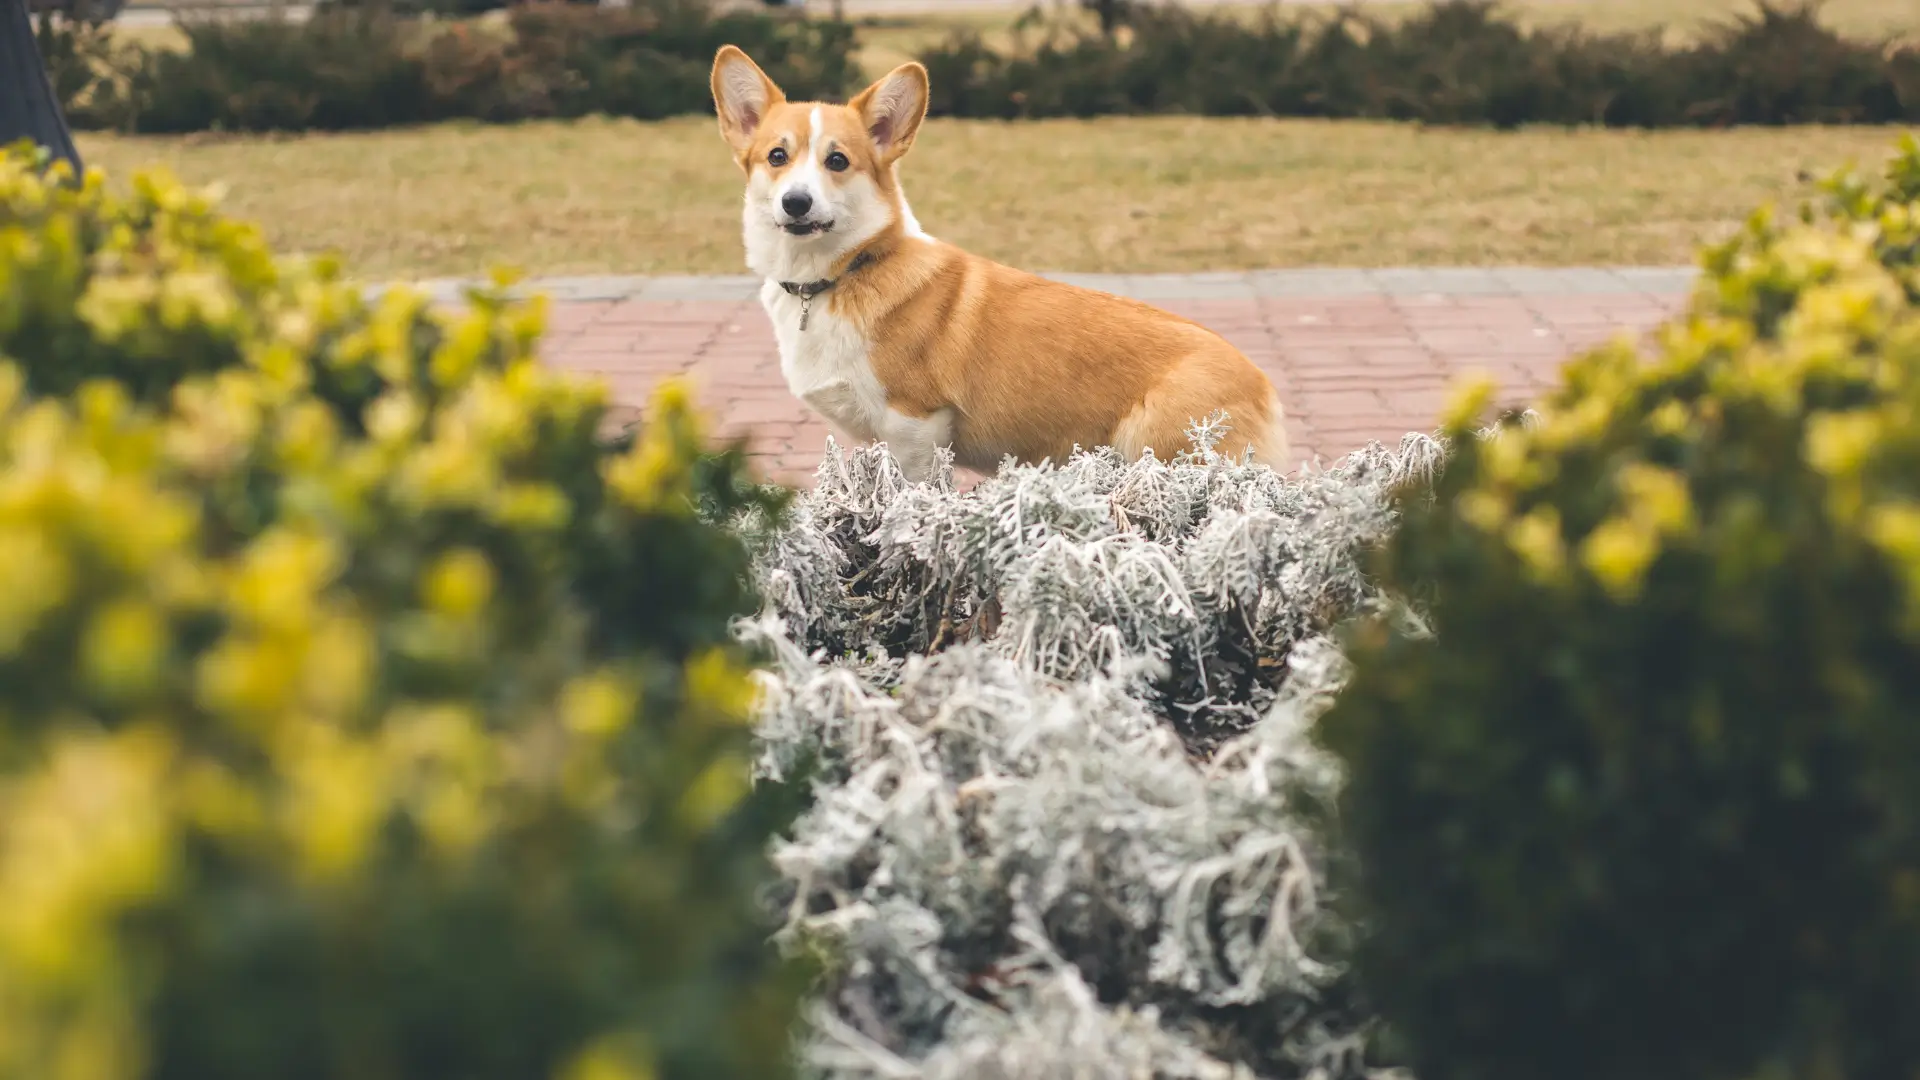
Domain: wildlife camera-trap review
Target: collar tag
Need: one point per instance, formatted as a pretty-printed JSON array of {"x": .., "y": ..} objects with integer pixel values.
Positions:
[{"x": 808, "y": 290}]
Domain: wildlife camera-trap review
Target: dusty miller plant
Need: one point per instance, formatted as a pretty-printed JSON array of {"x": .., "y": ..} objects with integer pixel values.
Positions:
[{"x": 1055, "y": 725}]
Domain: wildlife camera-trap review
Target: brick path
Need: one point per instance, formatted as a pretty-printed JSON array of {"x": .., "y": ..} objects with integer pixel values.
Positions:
[{"x": 1357, "y": 355}]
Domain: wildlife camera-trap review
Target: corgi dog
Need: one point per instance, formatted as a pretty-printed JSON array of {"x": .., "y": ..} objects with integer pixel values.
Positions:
[{"x": 893, "y": 336}]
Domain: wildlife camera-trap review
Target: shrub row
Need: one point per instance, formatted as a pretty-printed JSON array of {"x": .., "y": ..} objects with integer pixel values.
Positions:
[
  {"x": 1048, "y": 718},
  {"x": 348, "y": 68},
  {"x": 366, "y": 709},
  {"x": 1641, "y": 796},
  {"x": 1455, "y": 62}
]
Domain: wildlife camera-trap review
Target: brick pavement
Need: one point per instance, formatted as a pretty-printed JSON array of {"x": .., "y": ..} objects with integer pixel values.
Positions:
[{"x": 1357, "y": 355}]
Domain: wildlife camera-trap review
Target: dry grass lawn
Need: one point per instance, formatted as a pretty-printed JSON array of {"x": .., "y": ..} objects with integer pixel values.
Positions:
[{"x": 1121, "y": 194}]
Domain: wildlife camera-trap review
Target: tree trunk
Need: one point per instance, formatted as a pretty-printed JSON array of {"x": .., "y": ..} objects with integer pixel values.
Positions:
[
  {"x": 27, "y": 105},
  {"x": 1112, "y": 14}
]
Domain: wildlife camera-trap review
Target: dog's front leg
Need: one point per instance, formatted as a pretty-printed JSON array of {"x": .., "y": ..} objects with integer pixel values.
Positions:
[
  {"x": 847, "y": 412},
  {"x": 915, "y": 441}
]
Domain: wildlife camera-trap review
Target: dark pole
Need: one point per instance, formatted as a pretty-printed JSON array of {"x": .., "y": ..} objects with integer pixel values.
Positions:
[{"x": 28, "y": 109}]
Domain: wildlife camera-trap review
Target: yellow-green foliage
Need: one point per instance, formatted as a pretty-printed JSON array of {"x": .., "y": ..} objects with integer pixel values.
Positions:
[
  {"x": 363, "y": 713},
  {"x": 1646, "y": 801}
]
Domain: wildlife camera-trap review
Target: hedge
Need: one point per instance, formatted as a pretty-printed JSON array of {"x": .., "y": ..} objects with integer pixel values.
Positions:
[
  {"x": 1050, "y": 721},
  {"x": 366, "y": 710},
  {"x": 1453, "y": 62},
  {"x": 355, "y": 68}
]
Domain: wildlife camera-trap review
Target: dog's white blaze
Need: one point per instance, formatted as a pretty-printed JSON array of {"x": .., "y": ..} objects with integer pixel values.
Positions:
[{"x": 805, "y": 175}]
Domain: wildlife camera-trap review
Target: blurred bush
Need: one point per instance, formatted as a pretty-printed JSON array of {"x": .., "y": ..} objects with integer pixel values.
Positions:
[
  {"x": 351, "y": 67},
  {"x": 1642, "y": 796},
  {"x": 361, "y": 65},
  {"x": 1451, "y": 62},
  {"x": 365, "y": 710}
]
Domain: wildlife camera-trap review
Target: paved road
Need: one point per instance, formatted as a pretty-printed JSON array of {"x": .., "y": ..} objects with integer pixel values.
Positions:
[{"x": 1357, "y": 355}]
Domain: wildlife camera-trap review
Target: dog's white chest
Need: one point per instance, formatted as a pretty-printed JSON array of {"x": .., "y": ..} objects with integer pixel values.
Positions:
[{"x": 826, "y": 365}]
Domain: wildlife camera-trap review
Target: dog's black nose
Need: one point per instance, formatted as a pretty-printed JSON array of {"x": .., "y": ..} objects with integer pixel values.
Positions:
[{"x": 796, "y": 203}]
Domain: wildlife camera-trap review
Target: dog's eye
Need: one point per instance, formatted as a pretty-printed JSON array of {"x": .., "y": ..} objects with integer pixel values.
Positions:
[
  {"x": 837, "y": 161},
  {"x": 776, "y": 157}
]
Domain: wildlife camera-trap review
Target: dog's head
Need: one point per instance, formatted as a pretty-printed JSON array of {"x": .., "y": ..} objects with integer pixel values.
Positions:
[{"x": 819, "y": 177}]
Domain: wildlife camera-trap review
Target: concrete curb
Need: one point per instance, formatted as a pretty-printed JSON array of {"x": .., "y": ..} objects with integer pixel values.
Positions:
[{"x": 1219, "y": 285}]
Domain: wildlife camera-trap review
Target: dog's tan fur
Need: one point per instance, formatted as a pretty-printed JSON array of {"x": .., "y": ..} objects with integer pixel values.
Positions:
[{"x": 967, "y": 353}]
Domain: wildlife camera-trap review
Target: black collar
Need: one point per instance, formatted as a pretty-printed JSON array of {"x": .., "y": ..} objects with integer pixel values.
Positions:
[{"x": 807, "y": 290}]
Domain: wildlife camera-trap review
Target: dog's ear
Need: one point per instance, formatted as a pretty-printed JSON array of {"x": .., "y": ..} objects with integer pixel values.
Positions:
[
  {"x": 893, "y": 108},
  {"x": 742, "y": 94}
]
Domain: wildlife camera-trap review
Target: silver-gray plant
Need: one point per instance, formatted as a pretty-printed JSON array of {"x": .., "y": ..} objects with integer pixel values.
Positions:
[{"x": 1056, "y": 733}]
